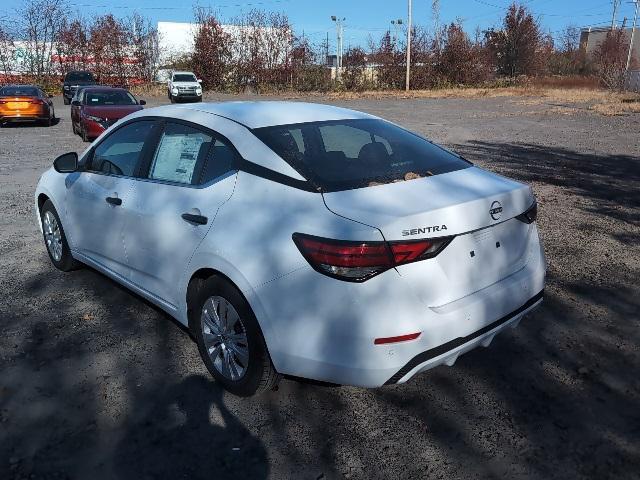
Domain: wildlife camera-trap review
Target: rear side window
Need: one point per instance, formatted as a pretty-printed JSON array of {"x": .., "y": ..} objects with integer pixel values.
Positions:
[
  {"x": 181, "y": 150},
  {"x": 347, "y": 154},
  {"x": 120, "y": 152},
  {"x": 221, "y": 160}
]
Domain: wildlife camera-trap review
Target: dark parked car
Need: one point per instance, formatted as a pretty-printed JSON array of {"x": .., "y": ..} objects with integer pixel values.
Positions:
[
  {"x": 74, "y": 79},
  {"x": 94, "y": 109}
]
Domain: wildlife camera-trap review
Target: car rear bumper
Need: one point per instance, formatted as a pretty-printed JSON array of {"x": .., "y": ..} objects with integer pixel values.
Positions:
[
  {"x": 23, "y": 118},
  {"x": 448, "y": 353},
  {"x": 327, "y": 329}
]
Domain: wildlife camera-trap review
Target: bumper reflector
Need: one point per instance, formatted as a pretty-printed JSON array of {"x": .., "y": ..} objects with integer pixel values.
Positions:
[{"x": 401, "y": 338}]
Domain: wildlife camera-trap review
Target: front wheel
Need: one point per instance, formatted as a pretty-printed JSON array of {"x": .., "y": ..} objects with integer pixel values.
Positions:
[
  {"x": 55, "y": 239},
  {"x": 229, "y": 339}
]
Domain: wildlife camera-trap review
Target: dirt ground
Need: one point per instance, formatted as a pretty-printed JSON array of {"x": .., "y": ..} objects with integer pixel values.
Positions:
[{"x": 96, "y": 383}]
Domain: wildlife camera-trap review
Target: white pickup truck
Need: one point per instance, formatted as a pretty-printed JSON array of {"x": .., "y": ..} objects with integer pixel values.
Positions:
[{"x": 184, "y": 86}]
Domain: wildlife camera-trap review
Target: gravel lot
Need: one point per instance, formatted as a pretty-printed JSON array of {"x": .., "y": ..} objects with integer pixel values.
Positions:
[{"x": 97, "y": 383}]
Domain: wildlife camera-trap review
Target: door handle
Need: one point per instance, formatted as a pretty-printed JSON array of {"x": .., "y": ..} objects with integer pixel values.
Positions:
[
  {"x": 114, "y": 200},
  {"x": 198, "y": 219}
]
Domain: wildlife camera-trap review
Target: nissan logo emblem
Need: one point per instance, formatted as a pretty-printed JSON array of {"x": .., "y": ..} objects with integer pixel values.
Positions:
[{"x": 496, "y": 210}]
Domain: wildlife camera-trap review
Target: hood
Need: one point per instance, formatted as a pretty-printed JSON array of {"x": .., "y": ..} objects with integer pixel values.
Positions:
[
  {"x": 111, "y": 112},
  {"x": 461, "y": 201}
]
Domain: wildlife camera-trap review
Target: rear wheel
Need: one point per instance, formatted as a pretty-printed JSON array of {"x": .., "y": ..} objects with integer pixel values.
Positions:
[
  {"x": 55, "y": 239},
  {"x": 229, "y": 338}
]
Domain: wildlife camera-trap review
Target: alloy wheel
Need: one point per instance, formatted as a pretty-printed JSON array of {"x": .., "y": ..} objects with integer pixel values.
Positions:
[
  {"x": 225, "y": 338},
  {"x": 52, "y": 235}
]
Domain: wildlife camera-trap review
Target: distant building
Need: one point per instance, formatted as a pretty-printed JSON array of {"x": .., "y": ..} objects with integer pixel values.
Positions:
[{"x": 590, "y": 38}]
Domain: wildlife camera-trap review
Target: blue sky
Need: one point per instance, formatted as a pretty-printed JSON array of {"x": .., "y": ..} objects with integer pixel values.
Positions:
[{"x": 363, "y": 17}]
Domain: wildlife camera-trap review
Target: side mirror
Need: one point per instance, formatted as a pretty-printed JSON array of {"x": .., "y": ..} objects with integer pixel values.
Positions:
[
  {"x": 66, "y": 163},
  {"x": 76, "y": 103},
  {"x": 142, "y": 102},
  {"x": 198, "y": 80}
]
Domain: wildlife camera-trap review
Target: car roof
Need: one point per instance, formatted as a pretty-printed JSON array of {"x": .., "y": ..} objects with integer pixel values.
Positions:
[{"x": 259, "y": 114}]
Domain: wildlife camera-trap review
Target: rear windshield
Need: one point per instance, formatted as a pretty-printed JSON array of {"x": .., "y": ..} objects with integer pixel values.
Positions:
[
  {"x": 184, "y": 77},
  {"x": 346, "y": 154},
  {"x": 79, "y": 77},
  {"x": 109, "y": 98},
  {"x": 19, "y": 91}
]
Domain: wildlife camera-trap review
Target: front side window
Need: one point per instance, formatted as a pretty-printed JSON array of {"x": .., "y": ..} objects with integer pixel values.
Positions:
[
  {"x": 219, "y": 161},
  {"x": 120, "y": 152},
  {"x": 180, "y": 152},
  {"x": 346, "y": 154}
]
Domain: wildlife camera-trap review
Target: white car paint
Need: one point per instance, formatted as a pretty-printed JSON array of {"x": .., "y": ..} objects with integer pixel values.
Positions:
[{"x": 315, "y": 326}]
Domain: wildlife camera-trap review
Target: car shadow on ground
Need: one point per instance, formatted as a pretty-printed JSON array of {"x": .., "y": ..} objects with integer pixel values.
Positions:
[
  {"x": 55, "y": 121},
  {"x": 98, "y": 384}
]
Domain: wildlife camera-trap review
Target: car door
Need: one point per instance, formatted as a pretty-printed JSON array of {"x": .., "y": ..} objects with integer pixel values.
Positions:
[
  {"x": 98, "y": 196},
  {"x": 188, "y": 177}
]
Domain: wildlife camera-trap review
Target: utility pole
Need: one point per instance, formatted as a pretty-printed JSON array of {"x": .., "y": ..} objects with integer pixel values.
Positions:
[
  {"x": 339, "y": 35},
  {"x": 408, "y": 47},
  {"x": 633, "y": 32},
  {"x": 615, "y": 10}
]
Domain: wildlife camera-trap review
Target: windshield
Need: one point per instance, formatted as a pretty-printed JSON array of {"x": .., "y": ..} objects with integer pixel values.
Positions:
[
  {"x": 118, "y": 97},
  {"x": 79, "y": 77},
  {"x": 346, "y": 154},
  {"x": 184, "y": 77},
  {"x": 19, "y": 91}
]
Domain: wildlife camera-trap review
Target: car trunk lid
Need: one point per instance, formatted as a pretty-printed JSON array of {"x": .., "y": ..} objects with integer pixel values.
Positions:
[{"x": 475, "y": 206}]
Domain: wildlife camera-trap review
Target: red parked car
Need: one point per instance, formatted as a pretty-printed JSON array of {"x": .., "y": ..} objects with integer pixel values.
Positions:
[{"x": 94, "y": 109}]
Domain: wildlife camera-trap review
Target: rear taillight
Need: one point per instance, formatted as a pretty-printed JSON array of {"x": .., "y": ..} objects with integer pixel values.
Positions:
[
  {"x": 359, "y": 261},
  {"x": 37, "y": 101},
  {"x": 530, "y": 215}
]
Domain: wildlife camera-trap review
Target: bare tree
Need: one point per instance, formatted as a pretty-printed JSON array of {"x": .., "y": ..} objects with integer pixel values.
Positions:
[
  {"x": 519, "y": 48},
  {"x": 40, "y": 23},
  {"x": 212, "y": 52},
  {"x": 6, "y": 51},
  {"x": 355, "y": 62},
  {"x": 72, "y": 46},
  {"x": 144, "y": 47},
  {"x": 610, "y": 59}
]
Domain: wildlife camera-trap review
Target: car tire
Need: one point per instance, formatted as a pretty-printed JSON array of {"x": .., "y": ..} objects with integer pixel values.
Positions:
[
  {"x": 241, "y": 342},
  {"x": 66, "y": 100},
  {"x": 55, "y": 240}
]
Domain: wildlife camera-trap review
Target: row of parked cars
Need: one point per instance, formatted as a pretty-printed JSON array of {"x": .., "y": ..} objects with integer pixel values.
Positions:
[{"x": 94, "y": 107}]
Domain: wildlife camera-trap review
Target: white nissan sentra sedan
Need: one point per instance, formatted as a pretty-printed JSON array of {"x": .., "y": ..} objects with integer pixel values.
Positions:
[{"x": 299, "y": 239}]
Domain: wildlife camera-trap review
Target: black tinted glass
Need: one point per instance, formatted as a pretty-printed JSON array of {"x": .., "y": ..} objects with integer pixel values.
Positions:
[
  {"x": 79, "y": 77},
  {"x": 346, "y": 154},
  {"x": 109, "y": 98},
  {"x": 184, "y": 77},
  {"x": 19, "y": 91},
  {"x": 120, "y": 152}
]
